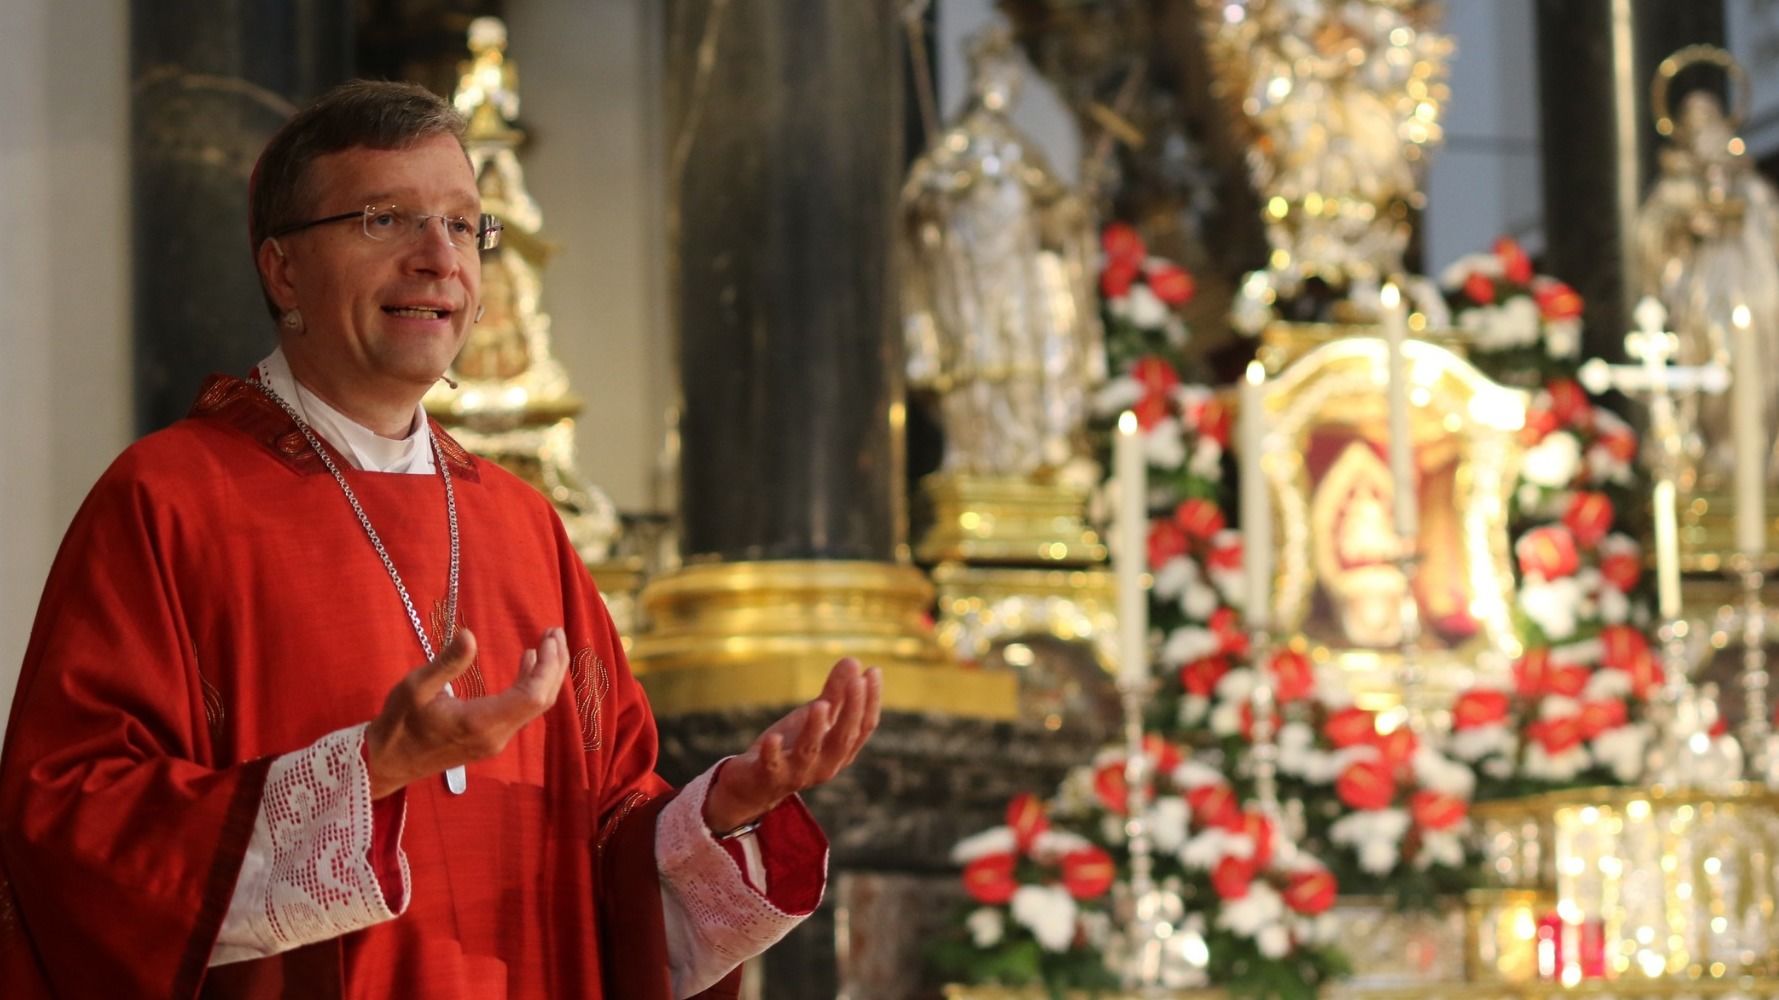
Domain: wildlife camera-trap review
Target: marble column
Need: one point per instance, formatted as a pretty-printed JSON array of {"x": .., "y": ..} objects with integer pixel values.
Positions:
[
  {"x": 785, "y": 159},
  {"x": 1596, "y": 59},
  {"x": 211, "y": 81}
]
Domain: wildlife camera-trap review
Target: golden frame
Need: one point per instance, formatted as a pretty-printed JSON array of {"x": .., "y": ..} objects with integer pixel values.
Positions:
[{"x": 1342, "y": 381}]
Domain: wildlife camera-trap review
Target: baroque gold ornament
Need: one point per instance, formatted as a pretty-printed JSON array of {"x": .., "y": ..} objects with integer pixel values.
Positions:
[{"x": 1341, "y": 99}]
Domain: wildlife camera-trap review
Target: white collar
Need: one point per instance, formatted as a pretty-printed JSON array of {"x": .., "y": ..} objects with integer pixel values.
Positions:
[{"x": 363, "y": 447}]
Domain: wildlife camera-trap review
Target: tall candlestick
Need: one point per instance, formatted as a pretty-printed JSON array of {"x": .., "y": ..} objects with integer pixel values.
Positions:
[
  {"x": 1131, "y": 527},
  {"x": 1750, "y": 438},
  {"x": 1256, "y": 501},
  {"x": 1402, "y": 469}
]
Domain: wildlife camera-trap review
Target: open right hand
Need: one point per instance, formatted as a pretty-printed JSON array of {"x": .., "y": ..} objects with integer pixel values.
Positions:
[{"x": 422, "y": 731}]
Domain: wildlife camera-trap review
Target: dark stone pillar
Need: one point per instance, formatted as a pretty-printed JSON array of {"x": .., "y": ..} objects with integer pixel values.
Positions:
[
  {"x": 1596, "y": 59},
  {"x": 785, "y": 160},
  {"x": 212, "y": 80}
]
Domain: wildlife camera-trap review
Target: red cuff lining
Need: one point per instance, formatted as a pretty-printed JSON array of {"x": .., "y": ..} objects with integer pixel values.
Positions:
[{"x": 795, "y": 852}]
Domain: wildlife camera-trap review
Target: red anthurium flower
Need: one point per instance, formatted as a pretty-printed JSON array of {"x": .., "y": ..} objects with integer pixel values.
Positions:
[
  {"x": 1621, "y": 644},
  {"x": 1155, "y": 375},
  {"x": 989, "y": 879},
  {"x": 1292, "y": 678},
  {"x": 1557, "y": 300},
  {"x": 1515, "y": 265},
  {"x": 1200, "y": 677},
  {"x": 1645, "y": 670},
  {"x": 1569, "y": 401},
  {"x": 1211, "y": 418},
  {"x": 1025, "y": 814},
  {"x": 1201, "y": 519},
  {"x": 1166, "y": 541},
  {"x": 1366, "y": 784},
  {"x": 1110, "y": 788},
  {"x": 1231, "y": 878},
  {"x": 1548, "y": 552},
  {"x": 1116, "y": 279},
  {"x": 1601, "y": 716},
  {"x": 1556, "y": 736},
  {"x": 1479, "y": 289},
  {"x": 1620, "y": 443},
  {"x": 1531, "y": 672},
  {"x": 1171, "y": 284},
  {"x": 1396, "y": 747},
  {"x": 1567, "y": 681},
  {"x": 1165, "y": 755},
  {"x": 1622, "y": 570},
  {"x": 1350, "y": 727},
  {"x": 1228, "y": 630},
  {"x": 1437, "y": 810},
  {"x": 1152, "y": 410},
  {"x": 1588, "y": 518},
  {"x": 1260, "y": 830},
  {"x": 1087, "y": 873},
  {"x": 1539, "y": 423},
  {"x": 1310, "y": 893},
  {"x": 1226, "y": 555},
  {"x": 1213, "y": 805},
  {"x": 1123, "y": 244},
  {"x": 1475, "y": 709}
]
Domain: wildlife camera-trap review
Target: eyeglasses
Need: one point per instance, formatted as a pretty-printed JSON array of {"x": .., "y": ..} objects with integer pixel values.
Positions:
[{"x": 388, "y": 223}]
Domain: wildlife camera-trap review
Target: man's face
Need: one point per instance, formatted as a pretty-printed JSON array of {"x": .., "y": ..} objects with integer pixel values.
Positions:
[{"x": 384, "y": 315}]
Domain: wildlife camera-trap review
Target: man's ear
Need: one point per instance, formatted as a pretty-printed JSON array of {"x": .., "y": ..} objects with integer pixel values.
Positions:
[{"x": 275, "y": 273}]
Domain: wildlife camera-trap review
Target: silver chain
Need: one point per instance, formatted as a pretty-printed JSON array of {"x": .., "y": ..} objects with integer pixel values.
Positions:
[{"x": 364, "y": 521}]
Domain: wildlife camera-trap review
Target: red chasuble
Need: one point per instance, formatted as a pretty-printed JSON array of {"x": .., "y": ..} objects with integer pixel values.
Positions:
[{"x": 216, "y": 604}]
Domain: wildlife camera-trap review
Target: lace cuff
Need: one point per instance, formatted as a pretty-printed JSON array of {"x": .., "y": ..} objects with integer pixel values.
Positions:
[
  {"x": 725, "y": 920},
  {"x": 308, "y": 874}
]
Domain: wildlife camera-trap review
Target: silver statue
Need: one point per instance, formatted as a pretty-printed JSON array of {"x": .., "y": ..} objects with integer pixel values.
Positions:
[
  {"x": 999, "y": 304},
  {"x": 1706, "y": 240}
]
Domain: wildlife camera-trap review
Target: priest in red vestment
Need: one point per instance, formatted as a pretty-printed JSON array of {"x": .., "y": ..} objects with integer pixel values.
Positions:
[{"x": 224, "y": 774}]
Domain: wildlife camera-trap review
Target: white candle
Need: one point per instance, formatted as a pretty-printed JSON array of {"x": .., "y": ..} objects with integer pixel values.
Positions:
[
  {"x": 1131, "y": 532},
  {"x": 1750, "y": 437},
  {"x": 1667, "y": 553},
  {"x": 1256, "y": 502},
  {"x": 1402, "y": 468}
]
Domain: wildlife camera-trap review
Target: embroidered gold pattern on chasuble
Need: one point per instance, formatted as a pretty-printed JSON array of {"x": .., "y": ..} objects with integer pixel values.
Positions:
[
  {"x": 616, "y": 819},
  {"x": 470, "y": 683},
  {"x": 592, "y": 683},
  {"x": 213, "y": 714}
]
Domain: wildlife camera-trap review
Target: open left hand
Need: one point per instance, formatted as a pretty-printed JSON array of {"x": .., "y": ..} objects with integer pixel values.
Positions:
[{"x": 810, "y": 745}]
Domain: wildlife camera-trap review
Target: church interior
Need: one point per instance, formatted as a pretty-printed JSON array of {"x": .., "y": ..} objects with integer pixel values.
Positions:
[{"x": 1308, "y": 470}]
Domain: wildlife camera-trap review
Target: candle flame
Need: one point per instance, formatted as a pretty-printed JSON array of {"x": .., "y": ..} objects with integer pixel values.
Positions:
[
  {"x": 1390, "y": 296},
  {"x": 1256, "y": 373},
  {"x": 1127, "y": 422},
  {"x": 1740, "y": 316}
]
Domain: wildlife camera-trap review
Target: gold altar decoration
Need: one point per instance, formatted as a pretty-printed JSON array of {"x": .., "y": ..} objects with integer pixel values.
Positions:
[
  {"x": 1707, "y": 242},
  {"x": 1008, "y": 520},
  {"x": 512, "y": 403},
  {"x": 1341, "y": 100},
  {"x": 736, "y": 635},
  {"x": 1339, "y": 586},
  {"x": 1653, "y": 892}
]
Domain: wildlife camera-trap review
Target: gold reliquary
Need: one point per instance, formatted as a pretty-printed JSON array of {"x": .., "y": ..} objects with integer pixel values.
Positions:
[{"x": 1341, "y": 587}]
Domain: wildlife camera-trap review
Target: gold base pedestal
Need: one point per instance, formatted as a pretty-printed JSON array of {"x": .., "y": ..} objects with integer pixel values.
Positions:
[
  {"x": 1008, "y": 520},
  {"x": 1708, "y": 532},
  {"x": 979, "y": 606},
  {"x": 752, "y": 634}
]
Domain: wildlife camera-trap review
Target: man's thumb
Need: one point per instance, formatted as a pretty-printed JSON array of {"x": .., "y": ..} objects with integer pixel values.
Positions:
[{"x": 451, "y": 661}]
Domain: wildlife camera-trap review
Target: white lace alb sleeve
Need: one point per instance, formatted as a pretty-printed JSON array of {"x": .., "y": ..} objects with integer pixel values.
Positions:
[
  {"x": 308, "y": 875},
  {"x": 714, "y": 919}
]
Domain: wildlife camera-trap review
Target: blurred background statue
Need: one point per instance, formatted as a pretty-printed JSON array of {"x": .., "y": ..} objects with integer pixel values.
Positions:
[
  {"x": 1707, "y": 238},
  {"x": 1000, "y": 315}
]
